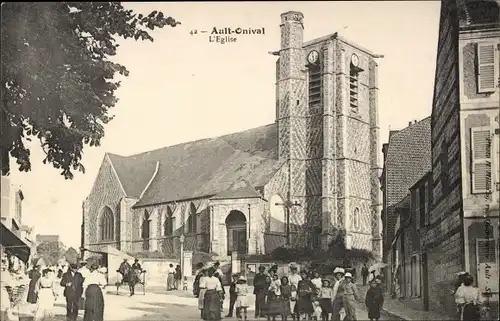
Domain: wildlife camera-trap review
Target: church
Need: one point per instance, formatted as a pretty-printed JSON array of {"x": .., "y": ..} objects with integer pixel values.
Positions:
[{"x": 296, "y": 182}]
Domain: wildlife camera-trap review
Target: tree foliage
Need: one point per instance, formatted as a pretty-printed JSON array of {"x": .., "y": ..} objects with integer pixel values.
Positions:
[
  {"x": 57, "y": 77},
  {"x": 336, "y": 252},
  {"x": 51, "y": 252}
]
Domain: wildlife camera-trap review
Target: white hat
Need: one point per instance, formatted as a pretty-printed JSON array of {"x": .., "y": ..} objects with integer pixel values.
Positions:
[
  {"x": 242, "y": 278},
  {"x": 348, "y": 275},
  {"x": 338, "y": 270},
  {"x": 461, "y": 273}
]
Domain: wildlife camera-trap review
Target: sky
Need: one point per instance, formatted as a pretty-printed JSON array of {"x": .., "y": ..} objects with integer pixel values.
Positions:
[{"x": 182, "y": 87}]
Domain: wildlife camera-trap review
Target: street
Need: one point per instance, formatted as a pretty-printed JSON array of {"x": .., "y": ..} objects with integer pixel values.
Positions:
[{"x": 157, "y": 304}]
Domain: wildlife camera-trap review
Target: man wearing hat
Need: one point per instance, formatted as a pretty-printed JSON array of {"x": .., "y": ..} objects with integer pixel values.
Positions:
[
  {"x": 260, "y": 286},
  {"x": 338, "y": 293},
  {"x": 72, "y": 281}
]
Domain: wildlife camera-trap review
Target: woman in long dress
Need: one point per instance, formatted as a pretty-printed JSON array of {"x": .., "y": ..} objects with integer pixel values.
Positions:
[
  {"x": 468, "y": 298},
  {"x": 286, "y": 294},
  {"x": 201, "y": 290},
  {"x": 212, "y": 297},
  {"x": 94, "y": 300},
  {"x": 305, "y": 290},
  {"x": 34, "y": 276},
  {"x": 350, "y": 298},
  {"x": 46, "y": 296}
]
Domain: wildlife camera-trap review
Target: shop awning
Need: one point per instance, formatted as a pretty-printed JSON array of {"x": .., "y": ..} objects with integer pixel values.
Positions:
[{"x": 14, "y": 244}]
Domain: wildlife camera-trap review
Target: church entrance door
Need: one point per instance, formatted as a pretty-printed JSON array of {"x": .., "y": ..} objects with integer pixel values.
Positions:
[{"x": 236, "y": 224}]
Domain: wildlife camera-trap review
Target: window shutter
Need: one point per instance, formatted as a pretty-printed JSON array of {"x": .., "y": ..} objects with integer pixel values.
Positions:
[
  {"x": 486, "y": 68},
  {"x": 486, "y": 265},
  {"x": 481, "y": 160}
]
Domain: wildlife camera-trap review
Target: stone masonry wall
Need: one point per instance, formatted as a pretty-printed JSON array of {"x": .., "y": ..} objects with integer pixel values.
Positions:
[
  {"x": 161, "y": 241},
  {"x": 443, "y": 241},
  {"x": 354, "y": 149},
  {"x": 252, "y": 209},
  {"x": 278, "y": 184},
  {"x": 106, "y": 192}
]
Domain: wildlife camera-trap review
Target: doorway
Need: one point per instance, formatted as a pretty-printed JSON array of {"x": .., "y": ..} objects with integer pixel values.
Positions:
[
  {"x": 425, "y": 281},
  {"x": 236, "y": 225}
]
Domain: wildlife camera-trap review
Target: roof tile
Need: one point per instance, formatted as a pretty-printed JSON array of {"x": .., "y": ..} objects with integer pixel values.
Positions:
[
  {"x": 200, "y": 168},
  {"x": 408, "y": 159}
]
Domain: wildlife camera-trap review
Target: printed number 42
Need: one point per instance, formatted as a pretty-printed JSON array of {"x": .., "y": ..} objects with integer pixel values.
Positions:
[{"x": 193, "y": 32}]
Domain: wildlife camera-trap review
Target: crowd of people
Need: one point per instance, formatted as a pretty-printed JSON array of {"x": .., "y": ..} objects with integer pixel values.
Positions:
[
  {"x": 295, "y": 296},
  {"x": 81, "y": 286}
]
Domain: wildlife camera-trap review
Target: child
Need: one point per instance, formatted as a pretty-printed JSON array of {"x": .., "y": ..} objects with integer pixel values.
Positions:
[
  {"x": 317, "y": 311},
  {"x": 317, "y": 282},
  {"x": 241, "y": 303},
  {"x": 374, "y": 300},
  {"x": 293, "y": 301},
  {"x": 274, "y": 303},
  {"x": 286, "y": 292},
  {"x": 232, "y": 295},
  {"x": 185, "y": 284},
  {"x": 325, "y": 299}
]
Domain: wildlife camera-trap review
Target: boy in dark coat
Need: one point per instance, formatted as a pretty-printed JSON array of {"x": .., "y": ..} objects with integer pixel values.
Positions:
[
  {"x": 374, "y": 300},
  {"x": 232, "y": 296}
]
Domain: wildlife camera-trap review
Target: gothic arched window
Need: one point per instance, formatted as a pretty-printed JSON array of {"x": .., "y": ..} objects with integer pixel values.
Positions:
[
  {"x": 146, "y": 230},
  {"x": 169, "y": 227},
  {"x": 191, "y": 221},
  {"x": 107, "y": 225}
]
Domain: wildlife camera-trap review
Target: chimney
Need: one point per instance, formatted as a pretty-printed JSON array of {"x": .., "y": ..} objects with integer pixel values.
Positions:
[{"x": 410, "y": 123}]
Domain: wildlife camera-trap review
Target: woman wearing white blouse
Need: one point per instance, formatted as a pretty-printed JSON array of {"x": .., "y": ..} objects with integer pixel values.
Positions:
[
  {"x": 201, "y": 284},
  {"x": 468, "y": 298},
  {"x": 94, "y": 300},
  {"x": 212, "y": 297}
]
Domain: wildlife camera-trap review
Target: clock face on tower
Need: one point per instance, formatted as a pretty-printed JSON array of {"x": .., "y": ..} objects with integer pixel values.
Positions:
[
  {"x": 313, "y": 57},
  {"x": 354, "y": 60}
]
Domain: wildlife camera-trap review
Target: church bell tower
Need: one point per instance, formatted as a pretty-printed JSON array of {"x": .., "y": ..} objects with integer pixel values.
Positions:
[{"x": 291, "y": 112}]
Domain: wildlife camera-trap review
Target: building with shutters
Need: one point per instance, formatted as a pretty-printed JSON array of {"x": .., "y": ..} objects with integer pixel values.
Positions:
[
  {"x": 462, "y": 227},
  {"x": 228, "y": 193}
]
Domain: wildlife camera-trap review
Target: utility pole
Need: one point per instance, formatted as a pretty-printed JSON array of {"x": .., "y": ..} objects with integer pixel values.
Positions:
[{"x": 288, "y": 206}]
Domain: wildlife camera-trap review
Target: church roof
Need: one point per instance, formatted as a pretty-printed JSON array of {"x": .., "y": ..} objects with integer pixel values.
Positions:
[
  {"x": 408, "y": 159},
  {"x": 134, "y": 172},
  {"x": 238, "y": 190},
  {"x": 200, "y": 168}
]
